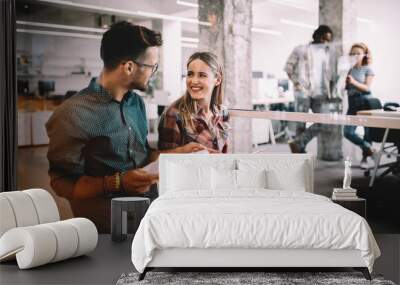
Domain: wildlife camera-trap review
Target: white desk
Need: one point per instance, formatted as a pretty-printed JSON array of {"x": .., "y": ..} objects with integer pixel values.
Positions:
[
  {"x": 269, "y": 101},
  {"x": 380, "y": 113},
  {"x": 374, "y": 121},
  {"x": 384, "y": 114}
]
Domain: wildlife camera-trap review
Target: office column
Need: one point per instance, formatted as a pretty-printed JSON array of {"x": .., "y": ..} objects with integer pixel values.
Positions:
[
  {"x": 229, "y": 36},
  {"x": 171, "y": 57},
  {"x": 340, "y": 16}
]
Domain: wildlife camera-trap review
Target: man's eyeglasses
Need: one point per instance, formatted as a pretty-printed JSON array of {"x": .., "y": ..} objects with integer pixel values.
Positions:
[{"x": 153, "y": 67}]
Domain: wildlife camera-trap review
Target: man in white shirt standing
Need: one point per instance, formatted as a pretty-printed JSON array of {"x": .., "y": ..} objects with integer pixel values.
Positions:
[{"x": 312, "y": 69}]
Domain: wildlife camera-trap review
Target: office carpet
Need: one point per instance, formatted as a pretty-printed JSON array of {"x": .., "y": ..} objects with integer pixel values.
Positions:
[{"x": 243, "y": 278}]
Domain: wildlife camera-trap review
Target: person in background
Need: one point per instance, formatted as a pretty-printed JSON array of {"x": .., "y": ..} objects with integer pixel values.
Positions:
[
  {"x": 312, "y": 70},
  {"x": 198, "y": 116},
  {"x": 358, "y": 83},
  {"x": 98, "y": 137}
]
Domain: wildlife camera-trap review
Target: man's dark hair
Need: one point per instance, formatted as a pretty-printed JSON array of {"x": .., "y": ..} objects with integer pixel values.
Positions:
[
  {"x": 320, "y": 31},
  {"x": 125, "y": 41}
]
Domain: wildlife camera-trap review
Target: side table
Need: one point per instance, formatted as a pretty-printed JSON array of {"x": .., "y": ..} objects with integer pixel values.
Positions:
[
  {"x": 357, "y": 205},
  {"x": 119, "y": 215}
]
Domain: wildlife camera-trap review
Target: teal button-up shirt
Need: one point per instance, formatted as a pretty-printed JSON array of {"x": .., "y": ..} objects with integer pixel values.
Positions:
[{"x": 93, "y": 134}]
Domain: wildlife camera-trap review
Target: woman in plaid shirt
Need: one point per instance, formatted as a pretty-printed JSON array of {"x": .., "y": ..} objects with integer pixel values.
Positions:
[{"x": 198, "y": 116}]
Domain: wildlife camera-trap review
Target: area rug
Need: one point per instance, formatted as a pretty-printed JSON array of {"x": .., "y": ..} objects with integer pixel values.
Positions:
[{"x": 243, "y": 278}]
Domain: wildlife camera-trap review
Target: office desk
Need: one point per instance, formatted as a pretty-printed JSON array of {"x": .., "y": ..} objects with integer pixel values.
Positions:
[
  {"x": 383, "y": 114},
  {"x": 379, "y": 113},
  {"x": 331, "y": 118}
]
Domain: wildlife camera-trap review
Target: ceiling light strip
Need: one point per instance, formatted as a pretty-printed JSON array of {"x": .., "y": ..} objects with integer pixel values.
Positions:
[
  {"x": 364, "y": 20},
  {"x": 188, "y": 4},
  {"x": 297, "y": 24},
  {"x": 168, "y": 17},
  {"x": 190, "y": 40},
  {"x": 291, "y": 4},
  {"x": 266, "y": 31},
  {"x": 124, "y": 12},
  {"x": 63, "y": 27},
  {"x": 61, "y": 34},
  {"x": 189, "y": 45}
]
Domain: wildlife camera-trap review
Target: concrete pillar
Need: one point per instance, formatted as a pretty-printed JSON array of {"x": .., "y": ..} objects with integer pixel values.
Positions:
[
  {"x": 157, "y": 26},
  {"x": 229, "y": 36},
  {"x": 340, "y": 16},
  {"x": 171, "y": 65}
]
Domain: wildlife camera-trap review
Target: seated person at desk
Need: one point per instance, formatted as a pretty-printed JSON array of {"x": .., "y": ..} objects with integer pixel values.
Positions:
[
  {"x": 358, "y": 85},
  {"x": 198, "y": 116},
  {"x": 98, "y": 138}
]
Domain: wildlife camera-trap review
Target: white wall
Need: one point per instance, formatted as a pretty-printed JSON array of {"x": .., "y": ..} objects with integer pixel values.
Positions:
[
  {"x": 269, "y": 53},
  {"x": 382, "y": 37},
  {"x": 172, "y": 58}
]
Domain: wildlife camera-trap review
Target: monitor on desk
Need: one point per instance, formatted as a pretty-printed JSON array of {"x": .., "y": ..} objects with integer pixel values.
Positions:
[
  {"x": 46, "y": 86},
  {"x": 23, "y": 87},
  {"x": 284, "y": 83}
]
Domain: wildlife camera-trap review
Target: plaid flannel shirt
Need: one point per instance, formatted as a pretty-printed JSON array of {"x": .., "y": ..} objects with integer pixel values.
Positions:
[{"x": 173, "y": 134}]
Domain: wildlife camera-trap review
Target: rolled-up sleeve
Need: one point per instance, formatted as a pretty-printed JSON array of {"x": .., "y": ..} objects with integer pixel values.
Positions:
[
  {"x": 291, "y": 66},
  {"x": 66, "y": 143},
  {"x": 169, "y": 132}
]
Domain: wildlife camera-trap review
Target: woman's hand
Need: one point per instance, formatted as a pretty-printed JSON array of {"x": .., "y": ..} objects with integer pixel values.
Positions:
[
  {"x": 190, "y": 147},
  {"x": 194, "y": 147},
  {"x": 350, "y": 80}
]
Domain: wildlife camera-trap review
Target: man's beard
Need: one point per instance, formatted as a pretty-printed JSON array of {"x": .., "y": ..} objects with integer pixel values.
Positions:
[{"x": 139, "y": 86}]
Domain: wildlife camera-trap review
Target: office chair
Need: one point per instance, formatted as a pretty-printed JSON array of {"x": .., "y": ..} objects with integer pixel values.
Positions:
[{"x": 390, "y": 143}]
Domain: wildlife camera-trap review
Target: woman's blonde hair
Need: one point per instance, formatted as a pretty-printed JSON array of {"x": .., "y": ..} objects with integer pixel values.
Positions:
[
  {"x": 367, "y": 53},
  {"x": 186, "y": 105}
]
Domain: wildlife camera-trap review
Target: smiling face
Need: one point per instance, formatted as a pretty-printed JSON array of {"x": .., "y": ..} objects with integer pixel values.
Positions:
[
  {"x": 201, "y": 80},
  {"x": 358, "y": 54}
]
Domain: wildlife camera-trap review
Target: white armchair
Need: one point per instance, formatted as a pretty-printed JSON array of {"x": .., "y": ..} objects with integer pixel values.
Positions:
[{"x": 31, "y": 230}]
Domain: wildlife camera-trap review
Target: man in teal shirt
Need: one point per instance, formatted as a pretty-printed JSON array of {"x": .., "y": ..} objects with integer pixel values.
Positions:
[{"x": 98, "y": 138}]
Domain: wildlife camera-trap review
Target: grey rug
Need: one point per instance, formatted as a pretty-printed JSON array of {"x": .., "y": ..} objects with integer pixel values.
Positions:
[{"x": 270, "y": 278}]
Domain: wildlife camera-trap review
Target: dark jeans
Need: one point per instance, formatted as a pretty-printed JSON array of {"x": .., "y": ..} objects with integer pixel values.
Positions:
[
  {"x": 318, "y": 104},
  {"x": 357, "y": 103}
]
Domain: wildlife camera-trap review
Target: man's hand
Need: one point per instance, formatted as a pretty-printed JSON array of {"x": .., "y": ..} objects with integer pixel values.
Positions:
[{"x": 138, "y": 181}]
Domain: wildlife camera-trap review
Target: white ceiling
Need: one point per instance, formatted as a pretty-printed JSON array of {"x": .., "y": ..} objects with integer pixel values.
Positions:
[{"x": 267, "y": 14}]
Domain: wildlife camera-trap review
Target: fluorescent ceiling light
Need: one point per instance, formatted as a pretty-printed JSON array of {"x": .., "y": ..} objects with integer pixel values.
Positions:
[
  {"x": 123, "y": 12},
  {"x": 61, "y": 34},
  {"x": 364, "y": 20},
  {"x": 168, "y": 17},
  {"x": 298, "y": 24},
  {"x": 186, "y": 3},
  {"x": 190, "y": 40},
  {"x": 63, "y": 27},
  {"x": 89, "y": 7},
  {"x": 266, "y": 31},
  {"x": 292, "y": 5},
  {"x": 189, "y": 45}
]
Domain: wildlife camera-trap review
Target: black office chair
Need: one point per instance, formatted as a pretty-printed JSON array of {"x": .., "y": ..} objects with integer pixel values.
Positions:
[{"x": 390, "y": 140}]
